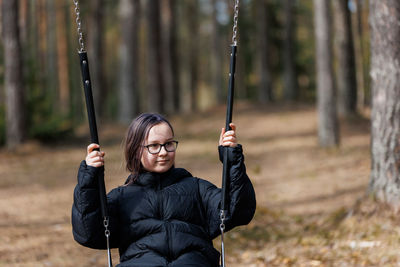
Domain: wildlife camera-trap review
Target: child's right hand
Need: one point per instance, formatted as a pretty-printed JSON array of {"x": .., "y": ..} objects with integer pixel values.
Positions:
[
  {"x": 94, "y": 158},
  {"x": 228, "y": 138}
]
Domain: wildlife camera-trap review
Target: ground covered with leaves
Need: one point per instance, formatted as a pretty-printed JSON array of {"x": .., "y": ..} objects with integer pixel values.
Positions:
[{"x": 312, "y": 203}]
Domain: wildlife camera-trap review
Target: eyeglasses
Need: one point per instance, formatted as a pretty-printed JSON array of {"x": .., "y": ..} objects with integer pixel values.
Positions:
[{"x": 156, "y": 148}]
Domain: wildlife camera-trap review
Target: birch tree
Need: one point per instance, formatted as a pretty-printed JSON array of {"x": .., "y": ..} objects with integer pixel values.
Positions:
[
  {"x": 385, "y": 75},
  {"x": 346, "y": 69},
  {"x": 129, "y": 11},
  {"x": 13, "y": 78},
  {"x": 328, "y": 127}
]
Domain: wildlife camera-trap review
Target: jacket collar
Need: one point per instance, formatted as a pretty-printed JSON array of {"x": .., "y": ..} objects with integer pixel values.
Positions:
[{"x": 161, "y": 180}]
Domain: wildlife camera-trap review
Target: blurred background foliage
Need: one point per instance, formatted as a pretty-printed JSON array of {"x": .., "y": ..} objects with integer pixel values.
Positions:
[{"x": 53, "y": 94}]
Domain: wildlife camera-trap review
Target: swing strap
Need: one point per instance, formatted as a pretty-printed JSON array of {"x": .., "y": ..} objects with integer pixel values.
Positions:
[
  {"x": 229, "y": 111},
  {"x": 84, "y": 63}
]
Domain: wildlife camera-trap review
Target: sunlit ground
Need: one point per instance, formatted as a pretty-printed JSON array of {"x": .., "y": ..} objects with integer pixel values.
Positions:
[{"x": 312, "y": 209}]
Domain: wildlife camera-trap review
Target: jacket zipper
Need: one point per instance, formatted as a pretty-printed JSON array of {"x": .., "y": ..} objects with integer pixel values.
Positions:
[{"x": 168, "y": 228}]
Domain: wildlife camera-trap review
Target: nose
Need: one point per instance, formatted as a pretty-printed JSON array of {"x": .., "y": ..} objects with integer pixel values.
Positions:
[{"x": 163, "y": 151}]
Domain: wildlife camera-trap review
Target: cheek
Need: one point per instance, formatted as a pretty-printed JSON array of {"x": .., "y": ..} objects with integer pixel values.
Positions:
[
  {"x": 147, "y": 160},
  {"x": 173, "y": 157}
]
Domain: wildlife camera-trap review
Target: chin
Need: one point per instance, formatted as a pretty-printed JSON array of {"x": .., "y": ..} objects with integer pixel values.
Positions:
[{"x": 164, "y": 168}]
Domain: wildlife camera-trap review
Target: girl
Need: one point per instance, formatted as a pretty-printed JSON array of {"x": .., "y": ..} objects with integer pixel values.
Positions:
[{"x": 162, "y": 216}]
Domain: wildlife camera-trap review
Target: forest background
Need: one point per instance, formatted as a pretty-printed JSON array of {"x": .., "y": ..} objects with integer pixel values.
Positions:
[
  {"x": 169, "y": 57},
  {"x": 316, "y": 102}
]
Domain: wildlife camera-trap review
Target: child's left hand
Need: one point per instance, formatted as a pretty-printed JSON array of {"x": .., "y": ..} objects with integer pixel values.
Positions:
[{"x": 228, "y": 138}]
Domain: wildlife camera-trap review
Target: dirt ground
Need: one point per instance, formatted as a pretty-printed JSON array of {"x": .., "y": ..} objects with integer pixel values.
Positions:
[{"x": 312, "y": 204}]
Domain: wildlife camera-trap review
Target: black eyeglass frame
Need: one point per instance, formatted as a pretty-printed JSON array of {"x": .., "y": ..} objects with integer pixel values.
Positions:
[{"x": 162, "y": 145}]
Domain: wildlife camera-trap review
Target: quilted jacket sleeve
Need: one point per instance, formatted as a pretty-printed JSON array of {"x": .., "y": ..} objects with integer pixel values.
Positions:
[
  {"x": 242, "y": 200},
  {"x": 87, "y": 221}
]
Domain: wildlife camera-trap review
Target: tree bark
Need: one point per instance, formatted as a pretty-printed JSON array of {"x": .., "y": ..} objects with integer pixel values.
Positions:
[
  {"x": 23, "y": 21},
  {"x": 328, "y": 127},
  {"x": 174, "y": 46},
  {"x": 290, "y": 77},
  {"x": 51, "y": 76},
  {"x": 62, "y": 62},
  {"x": 385, "y": 126},
  {"x": 216, "y": 56},
  {"x": 13, "y": 78},
  {"x": 42, "y": 42},
  {"x": 31, "y": 47},
  {"x": 170, "y": 59},
  {"x": 155, "y": 86},
  {"x": 346, "y": 69},
  {"x": 193, "y": 24},
  {"x": 265, "y": 94},
  {"x": 129, "y": 11},
  {"x": 362, "y": 65}
]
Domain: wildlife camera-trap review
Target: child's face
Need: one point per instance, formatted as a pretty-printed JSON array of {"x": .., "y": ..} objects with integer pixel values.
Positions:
[{"x": 162, "y": 161}]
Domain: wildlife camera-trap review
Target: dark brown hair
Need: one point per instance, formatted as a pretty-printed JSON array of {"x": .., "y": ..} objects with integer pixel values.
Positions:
[{"x": 135, "y": 138}]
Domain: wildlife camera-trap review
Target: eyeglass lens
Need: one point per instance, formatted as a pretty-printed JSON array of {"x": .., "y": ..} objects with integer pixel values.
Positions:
[{"x": 156, "y": 148}]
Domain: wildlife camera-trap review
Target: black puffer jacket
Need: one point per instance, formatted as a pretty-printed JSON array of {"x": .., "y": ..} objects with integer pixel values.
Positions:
[{"x": 167, "y": 219}]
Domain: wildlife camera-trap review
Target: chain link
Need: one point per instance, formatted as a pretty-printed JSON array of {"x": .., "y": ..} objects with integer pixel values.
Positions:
[
  {"x": 79, "y": 25},
  {"x": 222, "y": 228},
  {"x": 222, "y": 218},
  {"x": 235, "y": 22},
  {"x": 107, "y": 234},
  {"x": 105, "y": 223}
]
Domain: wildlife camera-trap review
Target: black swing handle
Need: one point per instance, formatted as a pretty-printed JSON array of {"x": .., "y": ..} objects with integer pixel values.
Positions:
[
  {"x": 92, "y": 125},
  {"x": 229, "y": 111}
]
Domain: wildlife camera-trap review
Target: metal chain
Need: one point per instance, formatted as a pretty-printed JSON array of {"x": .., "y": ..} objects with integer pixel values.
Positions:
[
  {"x": 222, "y": 213},
  {"x": 222, "y": 228},
  {"x": 79, "y": 24},
  {"x": 235, "y": 22},
  {"x": 106, "y": 222},
  {"x": 107, "y": 234}
]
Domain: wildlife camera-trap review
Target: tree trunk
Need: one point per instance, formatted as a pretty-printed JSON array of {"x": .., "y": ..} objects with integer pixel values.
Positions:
[
  {"x": 42, "y": 42},
  {"x": 216, "y": 56},
  {"x": 290, "y": 77},
  {"x": 75, "y": 79},
  {"x": 31, "y": 47},
  {"x": 170, "y": 66},
  {"x": 23, "y": 21},
  {"x": 129, "y": 57},
  {"x": 62, "y": 55},
  {"x": 174, "y": 46},
  {"x": 51, "y": 76},
  {"x": 155, "y": 87},
  {"x": 385, "y": 58},
  {"x": 13, "y": 78},
  {"x": 328, "y": 127},
  {"x": 346, "y": 71},
  {"x": 96, "y": 55},
  {"x": 265, "y": 94},
  {"x": 245, "y": 55},
  {"x": 193, "y": 24},
  {"x": 362, "y": 66}
]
